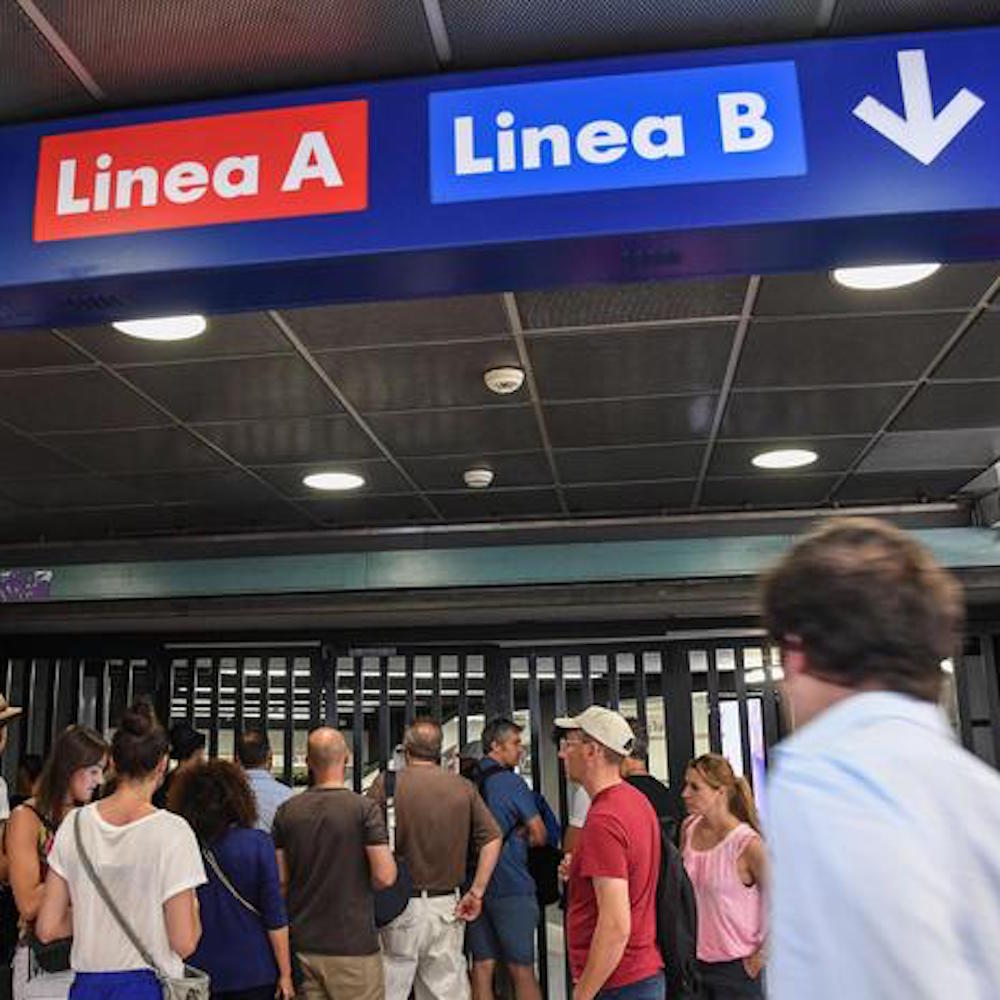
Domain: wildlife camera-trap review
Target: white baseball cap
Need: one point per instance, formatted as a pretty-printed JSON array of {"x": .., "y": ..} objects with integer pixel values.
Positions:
[{"x": 601, "y": 724}]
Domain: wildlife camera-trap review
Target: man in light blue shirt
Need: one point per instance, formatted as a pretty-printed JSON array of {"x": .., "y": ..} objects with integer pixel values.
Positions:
[
  {"x": 254, "y": 754},
  {"x": 885, "y": 834}
]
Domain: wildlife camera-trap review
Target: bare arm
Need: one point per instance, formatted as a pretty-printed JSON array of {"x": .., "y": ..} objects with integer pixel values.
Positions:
[
  {"x": 537, "y": 834},
  {"x": 571, "y": 837},
  {"x": 614, "y": 925},
  {"x": 754, "y": 859},
  {"x": 282, "y": 871},
  {"x": 25, "y": 871},
  {"x": 55, "y": 918},
  {"x": 382, "y": 866},
  {"x": 183, "y": 922},
  {"x": 283, "y": 957},
  {"x": 471, "y": 904}
]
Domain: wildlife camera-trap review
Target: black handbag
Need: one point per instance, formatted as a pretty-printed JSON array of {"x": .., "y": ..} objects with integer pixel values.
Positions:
[
  {"x": 52, "y": 956},
  {"x": 390, "y": 902}
]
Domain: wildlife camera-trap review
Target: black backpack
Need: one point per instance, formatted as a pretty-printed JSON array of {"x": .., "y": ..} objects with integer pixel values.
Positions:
[{"x": 676, "y": 922}]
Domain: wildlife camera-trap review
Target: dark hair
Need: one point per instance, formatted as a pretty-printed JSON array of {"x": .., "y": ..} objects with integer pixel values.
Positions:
[
  {"x": 868, "y": 604},
  {"x": 30, "y": 768},
  {"x": 497, "y": 730},
  {"x": 640, "y": 741},
  {"x": 252, "y": 747},
  {"x": 75, "y": 747},
  {"x": 423, "y": 738},
  {"x": 212, "y": 797},
  {"x": 139, "y": 743}
]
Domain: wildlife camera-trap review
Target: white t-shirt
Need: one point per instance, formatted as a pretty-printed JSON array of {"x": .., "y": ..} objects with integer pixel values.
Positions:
[
  {"x": 142, "y": 865},
  {"x": 579, "y": 805}
]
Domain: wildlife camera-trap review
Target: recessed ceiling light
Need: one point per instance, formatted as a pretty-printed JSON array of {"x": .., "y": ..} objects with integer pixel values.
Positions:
[
  {"x": 784, "y": 458},
  {"x": 503, "y": 381},
  {"x": 948, "y": 666},
  {"x": 478, "y": 479},
  {"x": 163, "y": 327},
  {"x": 883, "y": 276},
  {"x": 333, "y": 481}
]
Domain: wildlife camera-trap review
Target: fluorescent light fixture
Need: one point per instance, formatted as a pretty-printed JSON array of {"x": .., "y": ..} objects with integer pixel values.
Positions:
[
  {"x": 883, "y": 276},
  {"x": 784, "y": 458},
  {"x": 333, "y": 481},
  {"x": 163, "y": 327}
]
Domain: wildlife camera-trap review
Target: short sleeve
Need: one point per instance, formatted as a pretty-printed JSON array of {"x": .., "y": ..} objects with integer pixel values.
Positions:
[
  {"x": 375, "y": 833},
  {"x": 579, "y": 806},
  {"x": 376, "y": 790},
  {"x": 278, "y": 828},
  {"x": 604, "y": 853},
  {"x": 523, "y": 801},
  {"x": 484, "y": 826},
  {"x": 181, "y": 867},
  {"x": 272, "y": 906}
]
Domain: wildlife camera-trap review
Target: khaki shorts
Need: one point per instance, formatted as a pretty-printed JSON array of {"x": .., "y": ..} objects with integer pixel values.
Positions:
[{"x": 341, "y": 977}]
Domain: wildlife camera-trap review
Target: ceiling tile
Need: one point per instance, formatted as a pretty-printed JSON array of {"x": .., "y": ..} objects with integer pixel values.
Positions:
[
  {"x": 30, "y": 349},
  {"x": 82, "y": 525},
  {"x": 231, "y": 517},
  {"x": 630, "y": 498},
  {"x": 421, "y": 377},
  {"x": 149, "y": 51},
  {"x": 71, "y": 402},
  {"x": 977, "y": 354},
  {"x": 631, "y": 421},
  {"x": 466, "y": 317},
  {"x": 671, "y": 359},
  {"x": 357, "y": 511},
  {"x": 516, "y": 469},
  {"x": 600, "y": 305},
  {"x": 904, "y": 486},
  {"x": 500, "y": 428},
  {"x": 733, "y": 458},
  {"x": 864, "y": 17},
  {"x": 20, "y": 457},
  {"x": 929, "y": 449},
  {"x": 282, "y": 441},
  {"x": 70, "y": 491},
  {"x": 766, "y": 491},
  {"x": 952, "y": 404},
  {"x": 226, "y": 336},
  {"x": 814, "y": 411},
  {"x": 137, "y": 451},
  {"x": 237, "y": 389},
  {"x": 597, "y": 465},
  {"x": 957, "y": 286},
  {"x": 204, "y": 486},
  {"x": 844, "y": 351},
  {"x": 497, "y": 504},
  {"x": 380, "y": 477}
]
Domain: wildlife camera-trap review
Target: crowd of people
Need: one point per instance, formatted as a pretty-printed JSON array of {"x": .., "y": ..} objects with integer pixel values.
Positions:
[{"x": 884, "y": 878}]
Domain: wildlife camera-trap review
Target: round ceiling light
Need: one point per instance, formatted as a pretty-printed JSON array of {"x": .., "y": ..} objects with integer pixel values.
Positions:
[
  {"x": 333, "y": 481},
  {"x": 503, "y": 381},
  {"x": 883, "y": 276},
  {"x": 784, "y": 458},
  {"x": 163, "y": 327},
  {"x": 478, "y": 479}
]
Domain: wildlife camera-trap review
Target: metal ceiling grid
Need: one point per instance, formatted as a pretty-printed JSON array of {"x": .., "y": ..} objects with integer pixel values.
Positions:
[{"x": 861, "y": 17}]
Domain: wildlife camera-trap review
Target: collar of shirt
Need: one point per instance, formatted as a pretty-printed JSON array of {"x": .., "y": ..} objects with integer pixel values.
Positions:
[{"x": 861, "y": 710}]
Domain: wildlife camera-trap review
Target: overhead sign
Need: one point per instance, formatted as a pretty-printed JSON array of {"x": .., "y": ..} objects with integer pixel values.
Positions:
[
  {"x": 749, "y": 160},
  {"x": 310, "y": 160},
  {"x": 689, "y": 126}
]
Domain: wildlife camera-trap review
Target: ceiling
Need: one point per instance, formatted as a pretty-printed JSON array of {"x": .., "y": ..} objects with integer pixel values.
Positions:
[{"x": 640, "y": 399}]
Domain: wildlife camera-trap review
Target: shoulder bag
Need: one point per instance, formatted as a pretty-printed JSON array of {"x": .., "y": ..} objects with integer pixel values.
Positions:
[
  {"x": 193, "y": 985},
  {"x": 390, "y": 902},
  {"x": 223, "y": 878}
]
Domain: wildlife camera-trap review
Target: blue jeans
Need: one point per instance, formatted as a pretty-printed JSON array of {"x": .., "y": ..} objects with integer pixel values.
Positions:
[
  {"x": 653, "y": 988},
  {"x": 140, "y": 984}
]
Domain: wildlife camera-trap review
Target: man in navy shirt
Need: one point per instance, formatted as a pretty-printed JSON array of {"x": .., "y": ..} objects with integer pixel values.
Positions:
[{"x": 506, "y": 930}]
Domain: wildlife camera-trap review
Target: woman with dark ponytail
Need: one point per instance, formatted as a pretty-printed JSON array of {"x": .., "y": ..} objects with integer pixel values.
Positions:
[
  {"x": 149, "y": 862},
  {"x": 726, "y": 862}
]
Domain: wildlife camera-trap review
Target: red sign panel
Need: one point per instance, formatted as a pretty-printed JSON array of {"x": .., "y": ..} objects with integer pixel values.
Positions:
[{"x": 310, "y": 160}]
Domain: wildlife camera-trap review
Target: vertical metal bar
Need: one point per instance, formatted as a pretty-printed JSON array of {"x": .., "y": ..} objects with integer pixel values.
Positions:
[
  {"x": 192, "y": 686},
  {"x": 614, "y": 688},
  {"x": 641, "y": 690},
  {"x": 675, "y": 681},
  {"x": 239, "y": 694},
  {"x": 410, "y": 665},
  {"x": 330, "y": 684},
  {"x": 81, "y": 670},
  {"x": 560, "y": 710},
  {"x": 962, "y": 697},
  {"x": 289, "y": 719},
  {"x": 106, "y": 699},
  {"x": 586, "y": 679},
  {"x": 27, "y": 701},
  {"x": 989, "y": 646},
  {"x": 317, "y": 664},
  {"x": 358, "y": 726},
  {"x": 8, "y": 666},
  {"x": 436, "y": 688},
  {"x": 214, "y": 680},
  {"x": 384, "y": 736},
  {"x": 55, "y": 691},
  {"x": 770, "y": 706},
  {"x": 463, "y": 700},
  {"x": 537, "y": 750},
  {"x": 714, "y": 712},
  {"x": 744, "y": 710},
  {"x": 129, "y": 682}
]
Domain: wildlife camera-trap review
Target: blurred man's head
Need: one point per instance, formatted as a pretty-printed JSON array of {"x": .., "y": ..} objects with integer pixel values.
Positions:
[
  {"x": 422, "y": 741},
  {"x": 637, "y": 761},
  {"x": 253, "y": 750},
  {"x": 327, "y": 755},
  {"x": 502, "y": 741},
  {"x": 859, "y": 605}
]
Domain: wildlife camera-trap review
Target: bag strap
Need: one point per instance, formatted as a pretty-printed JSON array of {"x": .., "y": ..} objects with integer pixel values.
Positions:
[
  {"x": 233, "y": 891},
  {"x": 482, "y": 777},
  {"x": 102, "y": 891}
]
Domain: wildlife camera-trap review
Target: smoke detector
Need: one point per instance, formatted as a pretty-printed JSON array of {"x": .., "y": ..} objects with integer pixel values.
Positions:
[
  {"x": 478, "y": 479},
  {"x": 504, "y": 381}
]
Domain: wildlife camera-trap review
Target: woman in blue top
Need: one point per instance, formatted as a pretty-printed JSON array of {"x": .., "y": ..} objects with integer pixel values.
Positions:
[{"x": 244, "y": 943}]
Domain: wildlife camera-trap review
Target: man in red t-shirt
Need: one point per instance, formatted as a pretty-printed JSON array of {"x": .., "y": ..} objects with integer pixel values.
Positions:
[{"x": 611, "y": 917}]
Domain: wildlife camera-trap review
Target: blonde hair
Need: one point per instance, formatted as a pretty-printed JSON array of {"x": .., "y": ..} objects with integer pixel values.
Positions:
[{"x": 718, "y": 773}]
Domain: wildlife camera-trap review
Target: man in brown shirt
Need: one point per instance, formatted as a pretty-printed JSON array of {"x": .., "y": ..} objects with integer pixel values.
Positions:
[
  {"x": 333, "y": 850},
  {"x": 437, "y": 816}
]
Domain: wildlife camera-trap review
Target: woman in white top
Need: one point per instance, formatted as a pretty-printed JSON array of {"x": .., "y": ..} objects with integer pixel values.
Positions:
[{"x": 150, "y": 863}]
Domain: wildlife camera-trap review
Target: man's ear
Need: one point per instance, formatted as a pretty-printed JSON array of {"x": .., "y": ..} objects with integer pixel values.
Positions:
[{"x": 794, "y": 661}]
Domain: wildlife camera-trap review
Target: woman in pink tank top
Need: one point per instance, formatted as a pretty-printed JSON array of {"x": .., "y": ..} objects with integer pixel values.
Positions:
[{"x": 725, "y": 860}]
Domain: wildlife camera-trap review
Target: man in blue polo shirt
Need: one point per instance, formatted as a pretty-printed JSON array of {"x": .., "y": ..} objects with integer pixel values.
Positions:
[{"x": 506, "y": 930}]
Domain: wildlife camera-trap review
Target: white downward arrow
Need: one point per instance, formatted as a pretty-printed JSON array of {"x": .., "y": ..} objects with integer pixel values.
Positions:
[{"x": 918, "y": 130}]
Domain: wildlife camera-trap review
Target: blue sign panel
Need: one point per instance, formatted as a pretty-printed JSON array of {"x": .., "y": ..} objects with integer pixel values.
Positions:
[{"x": 723, "y": 123}]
